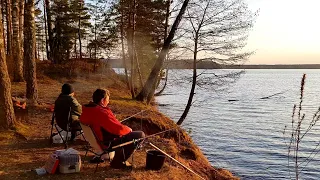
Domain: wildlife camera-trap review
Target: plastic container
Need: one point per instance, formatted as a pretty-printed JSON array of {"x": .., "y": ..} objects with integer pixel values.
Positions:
[
  {"x": 65, "y": 169},
  {"x": 69, "y": 163},
  {"x": 155, "y": 160}
]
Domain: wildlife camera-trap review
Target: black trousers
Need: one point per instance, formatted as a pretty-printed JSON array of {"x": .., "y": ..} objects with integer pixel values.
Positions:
[
  {"x": 74, "y": 127},
  {"x": 123, "y": 153}
]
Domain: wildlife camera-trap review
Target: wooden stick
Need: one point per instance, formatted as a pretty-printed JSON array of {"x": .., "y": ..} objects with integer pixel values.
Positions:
[{"x": 176, "y": 160}]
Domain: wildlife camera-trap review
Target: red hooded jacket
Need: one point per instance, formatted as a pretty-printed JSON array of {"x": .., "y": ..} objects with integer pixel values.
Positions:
[{"x": 96, "y": 117}]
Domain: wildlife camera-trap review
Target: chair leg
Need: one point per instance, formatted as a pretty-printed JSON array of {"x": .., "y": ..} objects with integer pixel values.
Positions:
[
  {"x": 83, "y": 136},
  {"x": 51, "y": 136},
  {"x": 86, "y": 153},
  {"x": 85, "y": 156},
  {"x": 96, "y": 168},
  {"x": 65, "y": 140}
]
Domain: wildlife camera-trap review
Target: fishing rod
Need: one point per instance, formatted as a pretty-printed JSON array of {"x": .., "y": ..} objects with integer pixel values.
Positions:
[
  {"x": 140, "y": 139},
  {"x": 132, "y": 116}
]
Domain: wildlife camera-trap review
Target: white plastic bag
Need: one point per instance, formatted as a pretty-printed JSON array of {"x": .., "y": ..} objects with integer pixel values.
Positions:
[
  {"x": 56, "y": 139},
  {"x": 64, "y": 134}
]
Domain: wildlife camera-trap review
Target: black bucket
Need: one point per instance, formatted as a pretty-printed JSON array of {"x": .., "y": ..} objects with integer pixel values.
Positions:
[{"x": 155, "y": 160}]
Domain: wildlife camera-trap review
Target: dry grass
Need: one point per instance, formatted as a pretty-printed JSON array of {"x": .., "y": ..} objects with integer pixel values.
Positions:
[{"x": 27, "y": 148}]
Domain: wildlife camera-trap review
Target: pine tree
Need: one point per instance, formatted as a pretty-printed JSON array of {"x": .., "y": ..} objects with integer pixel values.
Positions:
[
  {"x": 18, "y": 63},
  {"x": 29, "y": 52},
  {"x": 9, "y": 27},
  {"x": 66, "y": 17},
  {"x": 21, "y": 26}
]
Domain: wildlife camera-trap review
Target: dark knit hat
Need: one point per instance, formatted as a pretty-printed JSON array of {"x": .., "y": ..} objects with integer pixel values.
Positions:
[{"x": 67, "y": 89}]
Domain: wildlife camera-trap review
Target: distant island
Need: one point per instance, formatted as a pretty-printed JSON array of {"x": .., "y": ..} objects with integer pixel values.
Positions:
[{"x": 188, "y": 64}]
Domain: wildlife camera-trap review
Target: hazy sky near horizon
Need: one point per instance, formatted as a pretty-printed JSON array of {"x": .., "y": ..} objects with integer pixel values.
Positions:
[{"x": 285, "y": 32}]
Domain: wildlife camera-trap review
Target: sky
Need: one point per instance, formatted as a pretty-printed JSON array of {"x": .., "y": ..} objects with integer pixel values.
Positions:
[{"x": 285, "y": 32}]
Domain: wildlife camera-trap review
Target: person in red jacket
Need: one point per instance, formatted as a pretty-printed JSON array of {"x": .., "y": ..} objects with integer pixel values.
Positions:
[{"x": 108, "y": 129}]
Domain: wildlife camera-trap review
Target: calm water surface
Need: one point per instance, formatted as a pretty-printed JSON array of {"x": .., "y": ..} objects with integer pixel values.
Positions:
[{"x": 246, "y": 136}]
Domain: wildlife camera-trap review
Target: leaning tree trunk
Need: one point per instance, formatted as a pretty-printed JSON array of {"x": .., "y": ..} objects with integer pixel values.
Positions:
[
  {"x": 18, "y": 63},
  {"x": 150, "y": 86},
  {"x": 7, "y": 118},
  {"x": 9, "y": 27},
  {"x": 166, "y": 57},
  {"x": 194, "y": 81},
  {"x": 29, "y": 49},
  {"x": 165, "y": 84}
]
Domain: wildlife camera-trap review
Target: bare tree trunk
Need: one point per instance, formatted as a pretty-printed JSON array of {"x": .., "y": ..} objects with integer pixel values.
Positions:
[
  {"x": 95, "y": 44},
  {"x": 166, "y": 58},
  {"x": 7, "y": 117},
  {"x": 45, "y": 29},
  {"x": 138, "y": 68},
  {"x": 29, "y": 49},
  {"x": 131, "y": 50},
  {"x": 42, "y": 49},
  {"x": 35, "y": 50},
  {"x": 95, "y": 39},
  {"x": 75, "y": 47},
  {"x": 51, "y": 50},
  {"x": 79, "y": 36},
  {"x": 122, "y": 48},
  {"x": 9, "y": 27},
  {"x": 194, "y": 81},
  {"x": 167, "y": 20},
  {"x": 38, "y": 48},
  {"x": 21, "y": 26},
  {"x": 2, "y": 20},
  {"x": 149, "y": 87},
  {"x": 80, "y": 45},
  {"x": 18, "y": 63}
]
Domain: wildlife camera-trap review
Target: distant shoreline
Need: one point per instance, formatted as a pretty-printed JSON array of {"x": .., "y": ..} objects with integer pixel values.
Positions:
[{"x": 188, "y": 64}]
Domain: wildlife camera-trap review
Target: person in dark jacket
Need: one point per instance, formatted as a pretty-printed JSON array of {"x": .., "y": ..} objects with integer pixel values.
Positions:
[
  {"x": 65, "y": 103},
  {"x": 107, "y": 128}
]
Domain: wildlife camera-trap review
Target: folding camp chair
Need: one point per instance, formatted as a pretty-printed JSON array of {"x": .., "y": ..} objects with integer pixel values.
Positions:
[
  {"x": 94, "y": 145},
  {"x": 61, "y": 128}
]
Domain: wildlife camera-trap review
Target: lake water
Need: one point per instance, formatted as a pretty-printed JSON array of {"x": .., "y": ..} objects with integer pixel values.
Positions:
[{"x": 246, "y": 136}]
